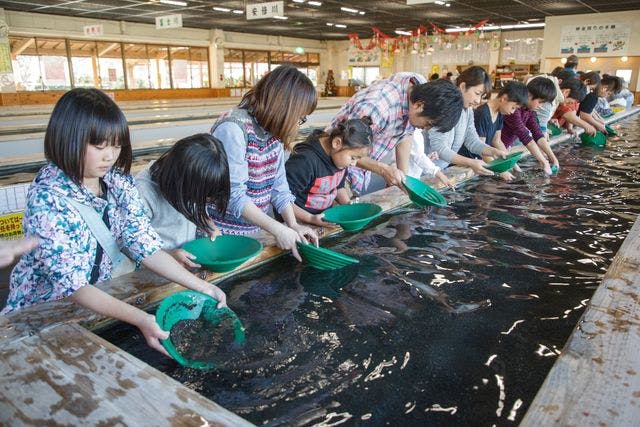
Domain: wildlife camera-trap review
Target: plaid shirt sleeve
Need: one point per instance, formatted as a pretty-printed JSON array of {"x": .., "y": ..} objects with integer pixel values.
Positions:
[{"x": 384, "y": 103}]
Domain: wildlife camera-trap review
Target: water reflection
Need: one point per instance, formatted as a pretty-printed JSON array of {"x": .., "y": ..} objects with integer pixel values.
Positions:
[{"x": 327, "y": 283}]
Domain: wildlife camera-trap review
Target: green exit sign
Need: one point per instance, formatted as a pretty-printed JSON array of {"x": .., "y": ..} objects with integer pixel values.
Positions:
[{"x": 298, "y": 50}]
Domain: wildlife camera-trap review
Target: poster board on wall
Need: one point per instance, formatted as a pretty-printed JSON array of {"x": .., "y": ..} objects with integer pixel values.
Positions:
[{"x": 611, "y": 39}]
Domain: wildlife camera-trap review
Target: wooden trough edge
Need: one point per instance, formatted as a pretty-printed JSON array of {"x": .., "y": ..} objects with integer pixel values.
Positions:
[{"x": 596, "y": 379}]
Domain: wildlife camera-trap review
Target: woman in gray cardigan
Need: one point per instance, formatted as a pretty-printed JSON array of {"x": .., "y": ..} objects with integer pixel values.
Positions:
[{"x": 473, "y": 82}]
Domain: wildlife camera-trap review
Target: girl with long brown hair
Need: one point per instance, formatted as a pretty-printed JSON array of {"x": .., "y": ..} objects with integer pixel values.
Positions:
[{"x": 254, "y": 135}]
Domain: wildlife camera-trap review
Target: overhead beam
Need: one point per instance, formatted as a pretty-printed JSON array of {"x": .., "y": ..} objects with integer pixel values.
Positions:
[
  {"x": 108, "y": 49},
  {"x": 24, "y": 46}
]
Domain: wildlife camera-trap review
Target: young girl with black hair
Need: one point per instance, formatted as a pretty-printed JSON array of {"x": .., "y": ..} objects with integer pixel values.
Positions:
[
  {"x": 84, "y": 209},
  {"x": 599, "y": 88},
  {"x": 316, "y": 170},
  {"x": 178, "y": 187},
  {"x": 254, "y": 135}
]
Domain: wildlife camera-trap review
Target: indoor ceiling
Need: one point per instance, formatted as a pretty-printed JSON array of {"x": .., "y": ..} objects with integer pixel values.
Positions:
[{"x": 310, "y": 21}]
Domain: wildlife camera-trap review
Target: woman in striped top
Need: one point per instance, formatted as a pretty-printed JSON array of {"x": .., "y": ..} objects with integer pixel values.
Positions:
[{"x": 254, "y": 135}]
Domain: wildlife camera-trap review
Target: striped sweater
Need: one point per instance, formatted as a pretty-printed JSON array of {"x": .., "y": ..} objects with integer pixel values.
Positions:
[{"x": 256, "y": 170}]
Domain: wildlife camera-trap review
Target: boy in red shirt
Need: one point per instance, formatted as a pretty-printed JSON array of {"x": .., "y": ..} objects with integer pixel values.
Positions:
[{"x": 574, "y": 92}]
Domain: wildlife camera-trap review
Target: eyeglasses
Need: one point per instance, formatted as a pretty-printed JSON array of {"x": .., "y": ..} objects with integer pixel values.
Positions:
[{"x": 303, "y": 120}]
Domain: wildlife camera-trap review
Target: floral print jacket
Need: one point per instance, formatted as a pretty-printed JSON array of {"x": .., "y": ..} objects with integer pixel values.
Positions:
[{"x": 62, "y": 262}]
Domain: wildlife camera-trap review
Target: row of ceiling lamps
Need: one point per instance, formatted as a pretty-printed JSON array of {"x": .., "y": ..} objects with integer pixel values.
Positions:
[
  {"x": 172, "y": 2},
  {"x": 310, "y": 3},
  {"x": 594, "y": 59},
  {"x": 495, "y": 27},
  {"x": 226, "y": 9}
]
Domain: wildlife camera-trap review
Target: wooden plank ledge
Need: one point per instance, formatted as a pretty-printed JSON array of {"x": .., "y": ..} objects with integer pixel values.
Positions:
[
  {"x": 67, "y": 375},
  {"x": 596, "y": 379}
]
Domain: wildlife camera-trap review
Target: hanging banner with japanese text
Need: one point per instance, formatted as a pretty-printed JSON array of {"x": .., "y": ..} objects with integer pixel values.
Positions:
[
  {"x": 93, "y": 30},
  {"x": 168, "y": 21},
  {"x": 265, "y": 10}
]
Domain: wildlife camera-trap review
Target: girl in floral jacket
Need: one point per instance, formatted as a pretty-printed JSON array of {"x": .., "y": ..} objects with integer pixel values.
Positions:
[{"x": 83, "y": 193}]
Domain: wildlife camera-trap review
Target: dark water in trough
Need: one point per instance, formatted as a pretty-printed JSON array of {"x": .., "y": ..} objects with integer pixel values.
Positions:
[{"x": 454, "y": 315}]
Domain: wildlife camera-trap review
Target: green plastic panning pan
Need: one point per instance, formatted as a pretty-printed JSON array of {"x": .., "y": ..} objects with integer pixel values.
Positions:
[
  {"x": 555, "y": 130},
  {"x": 224, "y": 253},
  {"x": 190, "y": 305},
  {"x": 352, "y": 217},
  {"x": 599, "y": 140},
  {"x": 423, "y": 194},
  {"x": 610, "y": 131},
  {"x": 502, "y": 165},
  {"x": 324, "y": 259}
]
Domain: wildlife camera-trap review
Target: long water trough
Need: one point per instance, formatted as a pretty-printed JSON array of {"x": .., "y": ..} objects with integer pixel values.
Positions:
[{"x": 454, "y": 316}]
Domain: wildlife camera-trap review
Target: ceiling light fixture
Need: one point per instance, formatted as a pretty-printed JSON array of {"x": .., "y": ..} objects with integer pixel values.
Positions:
[
  {"x": 448, "y": 5},
  {"x": 348, "y": 9},
  {"x": 404, "y": 33},
  {"x": 495, "y": 27},
  {"x": 439, "y": 3},
  {"x": 593, "y": 59},
  {"x": 361, "y": 12},
  {"x": 341, "y": 26},
  {"x": 298, "y": 1},
  {"x": 281, "y": 17},
  {"x": 174, "y": 2},
  {"x": 221, "y": 9},
  {"x": 314, "y": 3},
  {"x": 624, "y": 59},
  {"x": 329, "y": 24},
  {"x": 238, "y": 11}
]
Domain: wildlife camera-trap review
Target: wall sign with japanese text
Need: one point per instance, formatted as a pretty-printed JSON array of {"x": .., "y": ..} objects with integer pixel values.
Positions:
[
  {"x": 595, "y": 39},
  {"x": 93, "y": 30},
  {"x": 265, "y": 10},
  {"x": 11, "y": 225},
  {"x": 168, "y": 21}
]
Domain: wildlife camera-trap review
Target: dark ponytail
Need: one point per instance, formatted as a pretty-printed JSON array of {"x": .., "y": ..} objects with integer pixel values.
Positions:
[{"x": 355, "y": 133}]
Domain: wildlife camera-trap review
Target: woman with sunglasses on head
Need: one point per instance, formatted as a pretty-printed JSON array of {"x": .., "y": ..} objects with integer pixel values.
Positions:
[{"x": 254, "y": 135}]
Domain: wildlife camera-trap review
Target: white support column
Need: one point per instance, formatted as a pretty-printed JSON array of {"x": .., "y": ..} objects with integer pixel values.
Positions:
[{"x": 216, "y": 58}]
